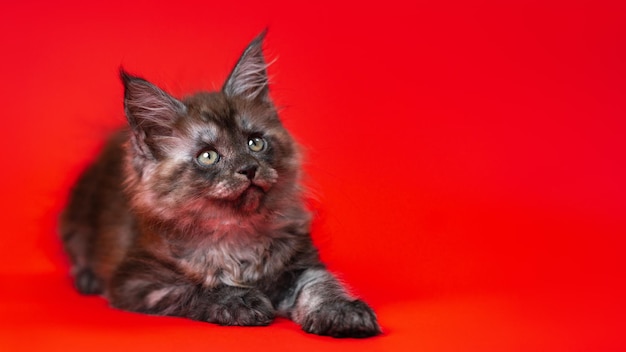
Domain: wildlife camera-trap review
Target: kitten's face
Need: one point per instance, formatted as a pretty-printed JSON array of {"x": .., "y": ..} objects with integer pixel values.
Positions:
[
  {"x": 212, "y": 153},
  {"x": 231, "y": 152}
]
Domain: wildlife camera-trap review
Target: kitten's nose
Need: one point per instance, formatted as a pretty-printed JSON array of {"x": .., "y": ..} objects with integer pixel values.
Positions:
[{"x": 249, "y": 171}]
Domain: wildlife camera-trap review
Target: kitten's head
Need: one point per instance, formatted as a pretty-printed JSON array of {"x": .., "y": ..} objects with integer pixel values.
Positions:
[{"x": 212, "y": 153}]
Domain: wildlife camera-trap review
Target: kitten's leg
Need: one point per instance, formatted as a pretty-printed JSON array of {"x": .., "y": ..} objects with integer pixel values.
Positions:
[
  {"x": 319, "y": 303},
  {"x": 76, "y": 245},
  {"x": 86, "y": 281},
  {"x": 151, "y": 287},
  {"x": 78, "y": 231}
]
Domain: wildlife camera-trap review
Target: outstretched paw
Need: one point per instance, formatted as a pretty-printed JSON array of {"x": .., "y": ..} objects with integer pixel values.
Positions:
[
  {"x": 342, "y": 319},
  {"x": 243, "y": 307}
]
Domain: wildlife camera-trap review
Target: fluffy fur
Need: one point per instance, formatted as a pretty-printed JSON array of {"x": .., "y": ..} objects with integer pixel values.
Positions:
[{"x": 195, "y": 211}]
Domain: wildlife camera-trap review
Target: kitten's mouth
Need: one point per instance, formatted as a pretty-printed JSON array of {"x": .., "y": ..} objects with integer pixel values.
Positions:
[
  {"x": 261, "y": 184},
  {"x": 245, "y": 196}
]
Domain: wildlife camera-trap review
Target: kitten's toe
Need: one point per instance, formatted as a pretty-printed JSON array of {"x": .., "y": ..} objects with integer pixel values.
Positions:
[
  {"x": 87, "y": 282},
  {"x": 342, "y": 319},
  {"x": 248, "y": 308}
]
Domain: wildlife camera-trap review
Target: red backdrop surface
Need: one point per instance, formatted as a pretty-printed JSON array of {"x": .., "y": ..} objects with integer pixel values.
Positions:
[{"x": 467, "y": 161}]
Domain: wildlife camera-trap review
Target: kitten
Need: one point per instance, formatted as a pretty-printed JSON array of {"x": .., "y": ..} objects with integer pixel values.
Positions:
[{"x": 195, "y": 211}]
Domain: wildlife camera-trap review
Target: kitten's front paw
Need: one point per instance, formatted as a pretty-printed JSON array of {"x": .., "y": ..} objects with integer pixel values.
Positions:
[
  {"x": 342, "y": 319},
  {"x": 241, "y": 307}
]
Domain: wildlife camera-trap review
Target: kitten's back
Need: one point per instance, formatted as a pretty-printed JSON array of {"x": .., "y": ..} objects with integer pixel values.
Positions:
[{"x": 96, "y": 224}]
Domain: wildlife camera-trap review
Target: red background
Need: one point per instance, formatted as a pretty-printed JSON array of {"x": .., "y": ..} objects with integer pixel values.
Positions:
[{"x": 468, "y": 159}]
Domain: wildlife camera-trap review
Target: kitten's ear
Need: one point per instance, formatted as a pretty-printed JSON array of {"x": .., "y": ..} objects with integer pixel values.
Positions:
[
  {"x": 249, "y": 77},
  {"x": 150, "y": 111}
]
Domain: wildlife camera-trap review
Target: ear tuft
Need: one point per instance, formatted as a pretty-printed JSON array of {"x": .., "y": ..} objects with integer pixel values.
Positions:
[
  {"x": 150, "y": 111},
  {"x": 249, "y": 77}
]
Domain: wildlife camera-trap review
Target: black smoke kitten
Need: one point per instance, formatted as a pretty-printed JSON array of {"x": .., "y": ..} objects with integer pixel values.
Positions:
[{"x": 195, "y": 211}]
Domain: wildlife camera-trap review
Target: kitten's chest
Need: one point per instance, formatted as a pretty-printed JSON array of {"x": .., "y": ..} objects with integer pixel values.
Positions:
[{"x": 234, "y": 260}]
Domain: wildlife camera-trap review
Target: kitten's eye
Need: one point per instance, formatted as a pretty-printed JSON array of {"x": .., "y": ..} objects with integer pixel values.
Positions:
[
  {"x": 256, "y": 144},
  {"x": 207, "y": 157}
]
